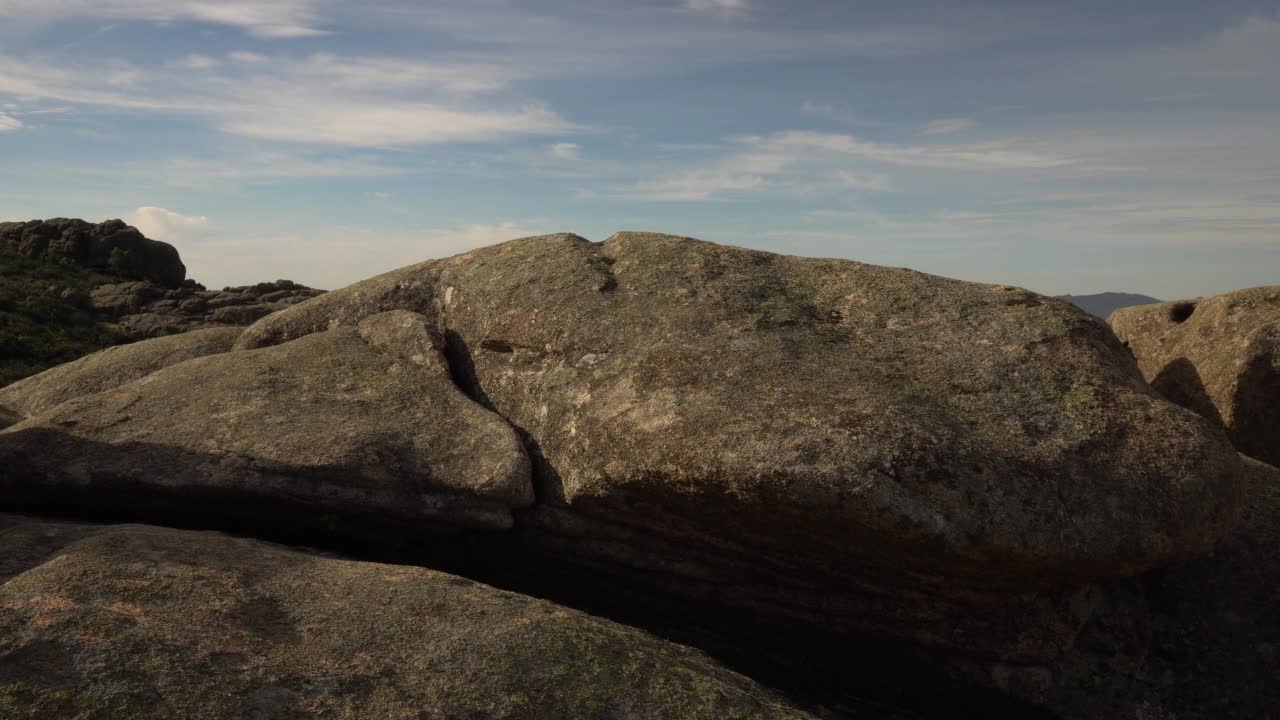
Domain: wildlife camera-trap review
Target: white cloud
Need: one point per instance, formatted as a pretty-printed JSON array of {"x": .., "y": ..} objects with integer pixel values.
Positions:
[
  {"x": 9, "y": 123},
  {"x": 1007, "y": 154},
  {"x": 321, "y": 99},
  {"x": 690, "y": 186},
  {"x": 946, "y": 126},
  {"x": 389, "y": 124},
  {"x": 807, "y": 162},
  {"x": 717, "y": 4},
  {"x": 158, "y": 223},
  {"x": 260, "y": 18},
  {"x": 566, "y": 150},
  {"x": 194, "y": 62},
  {"x": 244, "y": 56},
  {"x": 862, "y": 181}
]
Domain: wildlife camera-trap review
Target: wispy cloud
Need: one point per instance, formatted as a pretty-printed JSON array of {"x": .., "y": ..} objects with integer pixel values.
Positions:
[
  {"x": 9, "y": 123},
  {"x": 321, "y": 98},
  {"x": 801, "y": 161},
  {"x": 566, "y": 151},
  {"x": 260, "y": 18},
  {"x": 1000, "y": 154},
  {"x": 947, "y": 126},
  {"x": 194, "y": 62},
  {"x": 721, "y": 5}
]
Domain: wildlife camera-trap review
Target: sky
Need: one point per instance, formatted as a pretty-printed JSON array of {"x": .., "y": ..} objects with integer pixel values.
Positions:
[{"x": 1102, "y": 146}]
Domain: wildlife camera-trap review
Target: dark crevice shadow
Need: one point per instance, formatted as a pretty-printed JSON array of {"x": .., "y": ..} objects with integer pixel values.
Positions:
[
  {"x": 462, "y": 370},
  {"x": 1179, "y": 382},
  {"x": 1256, "y": 427},
  {"x": 851, "y": 676}
]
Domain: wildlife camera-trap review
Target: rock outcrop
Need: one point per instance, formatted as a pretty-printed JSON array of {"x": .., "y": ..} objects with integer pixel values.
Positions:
[
  {"x": 112, "y": 246},
  {"x": 859, "y": 448},
  {"x": 358, "y": 420},
  {"x": 145, "y": 310},
  {"x": 59, "y": 300},
  {"x": 111, "y": 368},
  {"x": 136, "y": 621},
  {"x": 1219, "y": 356}
]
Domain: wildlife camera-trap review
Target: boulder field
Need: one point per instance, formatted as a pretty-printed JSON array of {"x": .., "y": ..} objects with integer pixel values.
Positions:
[
  {"x": 1219, "y": 356},
  {"x": 818, "y": 446}
]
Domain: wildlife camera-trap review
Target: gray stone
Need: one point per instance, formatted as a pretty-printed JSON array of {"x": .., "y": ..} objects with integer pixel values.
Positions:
[
  {"x": 1219, "y": 356},
  {"x": 862, "y": 448},
  {"x": 349, "y": 422}
]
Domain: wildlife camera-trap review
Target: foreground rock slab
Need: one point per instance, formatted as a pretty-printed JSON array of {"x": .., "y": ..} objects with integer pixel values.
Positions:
[
  {"x": 822, "y": 441},
  {"x": 1219, "y": 356},
  {"x": 136, "y": 621},
  {"x": 111, "y": 368},
  {"x": 356, "y": 420}
]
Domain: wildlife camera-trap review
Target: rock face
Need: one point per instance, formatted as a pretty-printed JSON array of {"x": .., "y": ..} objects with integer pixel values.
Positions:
[
  {"x": 1195, "y": 641},
  {"x": 136, "y": 621},
  {"x": 1219, "y": 356},
  {"x": 856, "y": 447},
  {"x": 360, "y": 420},
  {"x": 110, "y": 245},
  {"x": 145, "y": 310},
  {"x": 111, "y": 368}
]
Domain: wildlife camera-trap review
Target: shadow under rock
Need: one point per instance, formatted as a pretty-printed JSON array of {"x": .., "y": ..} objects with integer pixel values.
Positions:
[
  {"x": 1179, "y": 382},
  {"x": 835, "y": 675}
]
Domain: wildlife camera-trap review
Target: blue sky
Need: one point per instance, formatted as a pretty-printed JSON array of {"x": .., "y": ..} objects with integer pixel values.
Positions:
[{"x": 1075, "y": 149}]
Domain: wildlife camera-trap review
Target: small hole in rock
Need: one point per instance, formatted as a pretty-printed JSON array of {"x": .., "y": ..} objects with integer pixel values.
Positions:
[{"x": 1180, "y": 312}]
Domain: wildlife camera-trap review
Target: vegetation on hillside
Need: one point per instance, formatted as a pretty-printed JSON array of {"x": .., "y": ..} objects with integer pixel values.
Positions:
[{"x": 44, "y": 316}]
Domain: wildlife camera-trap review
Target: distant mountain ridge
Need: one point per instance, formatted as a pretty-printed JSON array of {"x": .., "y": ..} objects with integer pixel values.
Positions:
[{"x": 1103, "y": 304}]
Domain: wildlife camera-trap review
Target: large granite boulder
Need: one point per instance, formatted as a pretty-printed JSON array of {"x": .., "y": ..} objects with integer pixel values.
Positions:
[
  {"x": 824, "y": 441},
  {"x": 356, "y": 421},
  {"x": 111, "y": 368},
  {"x": 111, "y": 245},
  {"x": 1219, "y": 356},
  {"x": 145, "y": 622}
]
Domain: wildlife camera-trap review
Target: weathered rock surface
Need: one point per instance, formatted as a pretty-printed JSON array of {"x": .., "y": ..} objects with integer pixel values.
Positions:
[
  {"x": 358, "y": 420},
  {"x": 1195, "y": 641},
  {"x": 110, "y": 245},
  {"x": 111, "y": 368},
  {"x": 1219, "y": 356},
  {"x": 145, "y": 310},
  {"x": 857, "y": 447},
  {"x": 136, "y": 621}
]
